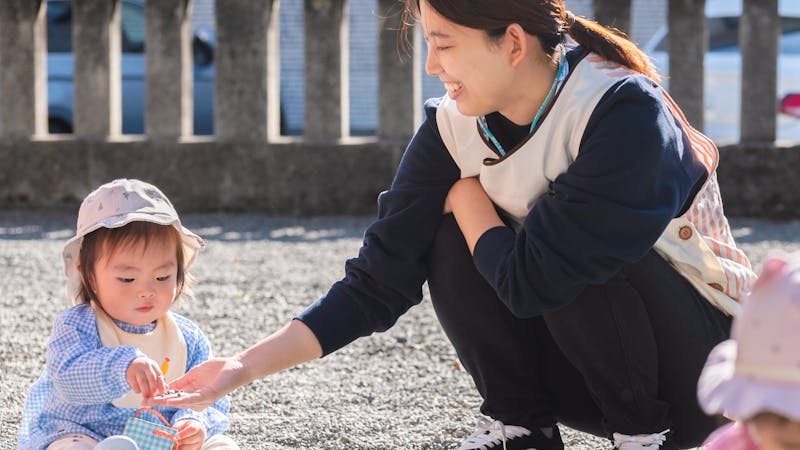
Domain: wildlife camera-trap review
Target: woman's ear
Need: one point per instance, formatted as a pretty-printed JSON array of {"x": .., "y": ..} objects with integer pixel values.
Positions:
[{"x": 517, "y": 43}]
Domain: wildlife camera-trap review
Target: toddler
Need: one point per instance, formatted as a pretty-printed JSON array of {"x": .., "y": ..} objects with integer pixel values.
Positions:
[
  {"x": 754, "y": 378},
  {"x": 119, "y": 342}
]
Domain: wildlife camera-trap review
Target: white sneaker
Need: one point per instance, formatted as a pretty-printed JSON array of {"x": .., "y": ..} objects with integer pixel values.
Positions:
[
  {"x": 496, "y": 435},
  {"x": 117, "y": 443},
  {"x": 640, "y": 441}
]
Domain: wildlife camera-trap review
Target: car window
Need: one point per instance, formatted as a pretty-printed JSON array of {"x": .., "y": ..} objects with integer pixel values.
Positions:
[
  {"x": 59, "y": 27},
  {"x": 790, "y": 44},
  {"x": 723, "y": 35},
  {"x": 133, "y": 28}
]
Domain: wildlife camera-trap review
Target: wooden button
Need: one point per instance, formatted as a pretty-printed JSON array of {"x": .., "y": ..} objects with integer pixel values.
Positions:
[
  {"x": 685, "y": 232},
  {"x": 716, "y": 286}
]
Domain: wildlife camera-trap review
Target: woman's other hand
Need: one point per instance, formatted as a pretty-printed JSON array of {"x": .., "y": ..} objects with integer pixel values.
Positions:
[{"x": 474, "y": 211}]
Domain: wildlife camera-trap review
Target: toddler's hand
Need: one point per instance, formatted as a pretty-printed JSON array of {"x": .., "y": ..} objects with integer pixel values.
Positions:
[
  {"x": 191, "y": 434},
  {"x": 144, "y": 377}
]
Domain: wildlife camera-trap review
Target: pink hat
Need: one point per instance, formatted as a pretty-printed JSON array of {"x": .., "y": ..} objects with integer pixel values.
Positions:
[
  {"x": 758, "y": 369},
  {"x": 116, "y": 204}
]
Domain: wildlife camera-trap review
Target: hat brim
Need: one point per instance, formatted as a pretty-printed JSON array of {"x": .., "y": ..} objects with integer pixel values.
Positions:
[
  {"x": 722, "y": 391},
  {"x": 191, "y": 243}
]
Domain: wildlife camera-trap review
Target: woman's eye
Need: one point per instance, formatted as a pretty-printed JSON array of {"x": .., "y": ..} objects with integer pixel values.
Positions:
[
  {"x": 164, "y": 278},
  {"x": 126, "y": 280},
  {"x": 441, "y": 49}
]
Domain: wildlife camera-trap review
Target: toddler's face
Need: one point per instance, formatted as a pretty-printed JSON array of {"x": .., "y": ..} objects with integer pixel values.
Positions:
[
  {"x": 776, "y": 432},
  {"x": 137, "y": 285}
]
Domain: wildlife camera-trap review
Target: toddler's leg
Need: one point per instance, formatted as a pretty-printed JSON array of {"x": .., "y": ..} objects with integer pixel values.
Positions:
[
  {"x": 73, "y": 442},
  {"x": 219, "y": 442}
]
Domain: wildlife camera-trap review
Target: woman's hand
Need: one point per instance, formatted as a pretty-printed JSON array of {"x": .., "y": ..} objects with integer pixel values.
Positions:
[
  {"x": 473, "y": 209},
  {"x": 208, "y": 382},
  {"x": 191, "y": 434},
  {"x": 144, "y": 377},
  {"x": 203, "y": 384}
]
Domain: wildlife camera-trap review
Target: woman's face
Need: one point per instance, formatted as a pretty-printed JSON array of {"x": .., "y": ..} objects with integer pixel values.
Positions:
[
  {"x": 475, "y": 69},
  {"x": 775, "y": 432}
]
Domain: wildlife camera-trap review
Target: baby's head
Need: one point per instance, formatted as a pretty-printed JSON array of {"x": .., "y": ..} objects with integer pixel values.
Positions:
[
  {"x": 755, "y": 376},
  {"x": 130, "y": 253}
]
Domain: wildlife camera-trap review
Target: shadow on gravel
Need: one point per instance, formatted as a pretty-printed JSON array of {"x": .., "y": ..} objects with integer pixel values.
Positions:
[{"x": 229, "y": 227}]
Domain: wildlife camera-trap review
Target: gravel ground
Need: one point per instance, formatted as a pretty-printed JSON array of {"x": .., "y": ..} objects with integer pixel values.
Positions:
[{"x": 399, "y": 389}]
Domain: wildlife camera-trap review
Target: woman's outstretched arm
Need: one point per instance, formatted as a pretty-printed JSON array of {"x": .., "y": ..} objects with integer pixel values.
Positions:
[{"x": 204, "y": 384}]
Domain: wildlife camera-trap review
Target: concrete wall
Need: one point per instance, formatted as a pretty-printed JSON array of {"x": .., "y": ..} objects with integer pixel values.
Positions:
[
  {"x": 247, "y": 165},
  {"x": 290, "y": 178}
]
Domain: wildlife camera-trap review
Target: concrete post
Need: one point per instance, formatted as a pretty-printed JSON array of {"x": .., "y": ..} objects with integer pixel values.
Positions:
[
  {"x": 169, "y": 103},
  {"x": 398, "y": 73},
  {"x": 688, "y": 41},
  {"x": 327, "y": 112},
  {"x": 23, "y": 78},
  {"x": 96, "y": 46},
  {"x": 245, "y": 58},
  {"x": 759, "y": 31},
  {"x": 613, "y": 13}
]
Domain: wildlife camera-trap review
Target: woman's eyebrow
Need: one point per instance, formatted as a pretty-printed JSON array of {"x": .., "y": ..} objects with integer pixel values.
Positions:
[{"x": 436, "y": 34}]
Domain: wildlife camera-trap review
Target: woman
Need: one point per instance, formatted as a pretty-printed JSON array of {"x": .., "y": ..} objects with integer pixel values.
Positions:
[{"x": 586, "y": 269}]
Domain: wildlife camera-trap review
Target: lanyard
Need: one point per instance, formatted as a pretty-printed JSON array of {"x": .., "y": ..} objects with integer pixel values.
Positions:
[{"x": 561, "y": 75}]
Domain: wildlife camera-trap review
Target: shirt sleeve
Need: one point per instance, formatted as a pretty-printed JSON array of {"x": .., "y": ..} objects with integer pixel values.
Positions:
[
  {"x": 386, "y": 278},
  {"x": 635, "y": 171},
  {"x": 84, "y": 372},
  {"x": 198, "y": 349}
]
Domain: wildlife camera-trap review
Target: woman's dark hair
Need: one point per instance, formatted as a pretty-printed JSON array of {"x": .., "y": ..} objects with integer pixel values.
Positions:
[
  {"x": 107, "y": 240},
  {"x": 546, "y": 19}
]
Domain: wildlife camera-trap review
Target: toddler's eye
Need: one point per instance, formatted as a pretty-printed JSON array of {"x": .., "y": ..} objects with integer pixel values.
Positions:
[
  {"x": 164, "y": 278},
  {"x": 126, "y": 280}
]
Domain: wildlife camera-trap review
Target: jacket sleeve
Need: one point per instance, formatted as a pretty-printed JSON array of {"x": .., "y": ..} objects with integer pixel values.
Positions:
[
  {"x": 82, "y": 370},
  {"x": 634, "y": 173},
  {"x": 386, "y": 278}
]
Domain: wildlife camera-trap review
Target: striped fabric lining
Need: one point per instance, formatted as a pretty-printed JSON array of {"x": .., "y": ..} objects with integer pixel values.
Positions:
[{"x": 707, "y": 215}]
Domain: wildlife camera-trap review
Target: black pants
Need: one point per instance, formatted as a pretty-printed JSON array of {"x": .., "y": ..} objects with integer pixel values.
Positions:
[{"x": 622, "y": 357}]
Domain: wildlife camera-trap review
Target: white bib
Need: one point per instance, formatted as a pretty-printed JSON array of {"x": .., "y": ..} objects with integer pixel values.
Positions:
[{"x": 165, "y": 341}]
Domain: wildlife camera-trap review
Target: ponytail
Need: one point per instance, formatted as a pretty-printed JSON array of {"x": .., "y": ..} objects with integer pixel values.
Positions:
[{"x": 610, "y": 45}]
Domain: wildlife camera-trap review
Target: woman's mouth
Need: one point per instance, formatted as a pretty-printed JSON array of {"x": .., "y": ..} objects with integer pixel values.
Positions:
[{"x": 453, "y": 88}]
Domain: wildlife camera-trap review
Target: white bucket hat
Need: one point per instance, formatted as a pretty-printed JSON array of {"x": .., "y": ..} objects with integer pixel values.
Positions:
[
  {"x": 113, "y": 205},
  {"x": 758, "y": 369}
]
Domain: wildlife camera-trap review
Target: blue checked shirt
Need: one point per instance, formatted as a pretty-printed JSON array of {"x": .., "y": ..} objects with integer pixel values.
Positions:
[{"x": 81, "y": 379}]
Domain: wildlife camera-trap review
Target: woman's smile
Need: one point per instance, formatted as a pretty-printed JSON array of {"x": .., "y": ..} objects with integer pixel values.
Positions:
[{"x": 453, "y": 88}]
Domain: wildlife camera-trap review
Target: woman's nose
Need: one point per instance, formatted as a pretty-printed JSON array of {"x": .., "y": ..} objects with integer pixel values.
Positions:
[{"x": 432, "y": 66}]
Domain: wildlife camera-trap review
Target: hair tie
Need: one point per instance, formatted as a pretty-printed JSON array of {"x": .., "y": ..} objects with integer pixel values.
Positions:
[{"x": 569, "y": 20}]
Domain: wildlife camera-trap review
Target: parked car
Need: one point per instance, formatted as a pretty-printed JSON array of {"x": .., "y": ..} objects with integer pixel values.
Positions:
[
  {"x": 60, "y": 86},
  {"x": 790, "y": 104},
  {"x": 723, "y": 64}
]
